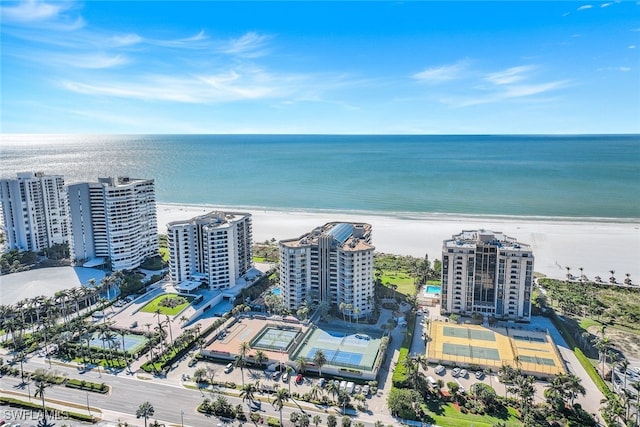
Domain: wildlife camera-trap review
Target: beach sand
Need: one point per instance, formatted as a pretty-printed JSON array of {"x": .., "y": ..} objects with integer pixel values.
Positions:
[{"x": 597, "y": 246}]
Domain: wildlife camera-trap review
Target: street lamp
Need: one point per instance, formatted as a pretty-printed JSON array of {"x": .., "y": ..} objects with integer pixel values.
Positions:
[{"x": 181, "y": 418}]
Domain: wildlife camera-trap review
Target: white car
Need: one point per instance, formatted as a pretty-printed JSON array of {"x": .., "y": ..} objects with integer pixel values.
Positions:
[
  {"x": 455, "y": 372},
  {"x": 228, "y": 368},
  {"x": 357, "y": 389},
  {"x": 463, "y": 373},
  {"x": 365, "y": 390},
  {"x": 440, "y": 370}
]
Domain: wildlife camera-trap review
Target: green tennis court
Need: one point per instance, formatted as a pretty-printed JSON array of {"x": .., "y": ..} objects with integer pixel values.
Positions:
[
  {"x": 467, "y": 333},
  {"x": 472, "y": 351}
]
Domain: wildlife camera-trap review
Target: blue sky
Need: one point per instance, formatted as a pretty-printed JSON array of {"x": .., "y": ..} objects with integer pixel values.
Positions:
[{"x": 320, "y": 67}]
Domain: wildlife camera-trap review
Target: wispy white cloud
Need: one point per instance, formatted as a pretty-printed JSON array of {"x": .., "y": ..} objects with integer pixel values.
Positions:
[
  {"x": 510, "y": 84},
  {"x": 585, "y": 7},
  {"x": 90, "y": 61},
  {"x": 125, "y": 40},
  {"x": 228, "y": 86},
  {"x": 31, "y": 11},
  {"x": 510, "y": 75},
  {"x": 632, "y": 46},
  {"x": 442, "y": 73},
  {"x": 625, "y": 69},
  {"x": 606, "y": 4},
  {"x": 250, "y": 44}
]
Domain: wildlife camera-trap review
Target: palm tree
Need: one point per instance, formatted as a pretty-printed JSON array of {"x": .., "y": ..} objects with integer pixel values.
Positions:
[
  {"x": 301, "y": 364},
  {"x": 333, "y": 389},
  {"x": 289, "y": 371},
  {"x": 247, "y": 393},
  {"x": 279, "y": 400},
  {"x": 315, "y": 392},
  {"x": 612, "y": 279},
  {"x": 342, "y": 308},
  {"x": 168, "y": 323},
  {"x": 242, "y": 357},
  {"x": 145, "y": 410},
  {"x": 260, "y": 357},
  {"x": 319, "y": 359},
  {"x": 40, "y": 388},
  {"x": 317, "y": 419}
]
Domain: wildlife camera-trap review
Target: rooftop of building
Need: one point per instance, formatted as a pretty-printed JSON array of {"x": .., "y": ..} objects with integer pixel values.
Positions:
[
  {"x": 474, "y": 238},
  {"x": 213, "y": 219},
  {"x": 350, "y": 236}
]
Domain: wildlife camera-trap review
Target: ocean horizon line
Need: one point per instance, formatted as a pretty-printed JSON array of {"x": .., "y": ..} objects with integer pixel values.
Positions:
[{"x": 409, "y": 216}]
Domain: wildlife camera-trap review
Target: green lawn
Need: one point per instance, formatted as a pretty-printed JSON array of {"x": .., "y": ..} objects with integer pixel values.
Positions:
[
  {"x": 402, "y": 280},
  {"x": 154, "y": 304},
  {"x": 164, "y": 253},
  {"x": 451, "y": 417}
]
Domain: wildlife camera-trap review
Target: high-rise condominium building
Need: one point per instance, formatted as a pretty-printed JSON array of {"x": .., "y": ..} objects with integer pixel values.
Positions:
[
  {"x": 487, "y": 272},
  {"x": 34, "y": 207},
  {"x": 114, "y": 218},
  {"x": 214, "y": 249},
  {"x": 333, "y": 264}
]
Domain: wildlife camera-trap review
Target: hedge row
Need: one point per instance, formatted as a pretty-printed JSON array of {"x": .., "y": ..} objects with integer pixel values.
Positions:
[
  {"x": 16, "y": 403},
  {"x": 399, "y": 378},
  {"x": 87, "y": 386}
]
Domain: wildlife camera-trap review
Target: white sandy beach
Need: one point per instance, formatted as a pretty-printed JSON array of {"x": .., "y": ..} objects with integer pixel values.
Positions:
[{"x": 597, "y": 246}]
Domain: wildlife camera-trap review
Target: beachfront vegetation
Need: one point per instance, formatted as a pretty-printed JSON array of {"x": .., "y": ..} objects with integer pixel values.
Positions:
[
  {"x": 602, "y": 303},
  {"x": 404, "y": 274},
  {"x": 600, "y": 322}
]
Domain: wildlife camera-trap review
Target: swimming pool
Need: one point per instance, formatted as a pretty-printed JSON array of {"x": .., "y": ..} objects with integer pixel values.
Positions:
[
  {"x": 431, "y": 289},
  {"x": 275, "y": 291}
]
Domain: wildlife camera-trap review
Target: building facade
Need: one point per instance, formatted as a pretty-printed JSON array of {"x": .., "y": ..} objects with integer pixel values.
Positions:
[
  {"x": 487, "y": 272},
  {"x": 34, "y": 209},
  {"x": 214, "y": 249},
  {"x": 114, "y": 219},
  {"x": 332, "y": 264}
]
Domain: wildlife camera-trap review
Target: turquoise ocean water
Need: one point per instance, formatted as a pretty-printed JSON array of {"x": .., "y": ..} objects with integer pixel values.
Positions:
[{"x": 542, "y": 176}]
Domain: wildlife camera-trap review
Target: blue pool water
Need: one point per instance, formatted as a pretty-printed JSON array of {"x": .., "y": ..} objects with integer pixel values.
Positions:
[
  {"x": 432, "y": 290},
  {"x": 275, "y": 291}
]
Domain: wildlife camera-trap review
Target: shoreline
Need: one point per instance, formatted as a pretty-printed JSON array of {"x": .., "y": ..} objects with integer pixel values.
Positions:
[{"x": 596, "y": 244}]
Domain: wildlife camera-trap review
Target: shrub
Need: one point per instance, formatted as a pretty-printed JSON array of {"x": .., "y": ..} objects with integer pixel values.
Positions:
[{"x": 399, "y": 378}]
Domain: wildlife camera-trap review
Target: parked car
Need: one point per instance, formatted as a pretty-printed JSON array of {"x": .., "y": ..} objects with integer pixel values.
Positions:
[
  {"x": 192, "y": 362},
  {"x": 349, "y": 388},
  {"x": 322, "y": 382},
  {"x": 463, "y": 373},
  {"x": 432, "y": 382},
  {"x": 299, "y": 379},
  {"x": 228, "y": 368},
  {"x": 440, "y": 370},
  {"x": 343, "y": 385},
  {"x": 276, "y": 375},
  {"x": 285, "y": 377},
  {"x": 365, "y": 390},
  {"x": 455, "y": 372},
  {"x": 357, "y": 389},
  {"x": 479, "y": 375}
]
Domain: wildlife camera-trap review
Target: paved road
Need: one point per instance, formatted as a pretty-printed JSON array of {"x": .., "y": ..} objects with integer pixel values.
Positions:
[{"x": 173, "y": 403}]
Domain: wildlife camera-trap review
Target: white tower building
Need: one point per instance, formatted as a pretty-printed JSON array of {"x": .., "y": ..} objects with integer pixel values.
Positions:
[
  {"x": 34, "y": 208},
  {"x": 214, "y": 249},
  {"x": 114, "y": 218},
  {"x": 487, "y": 272},
  {"x": 333, "y": 264}
]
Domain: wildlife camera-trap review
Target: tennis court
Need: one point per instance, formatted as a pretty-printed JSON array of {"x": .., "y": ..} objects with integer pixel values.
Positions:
[
  {"x": 132, "y": 342},
  {"x": 275, "y": 338},
  {"x": 472, "y": 334},
  {"x": 464, "y": 345},
  {"x": 471, "y": 351},
  {"x": 341, "y": 348}
]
